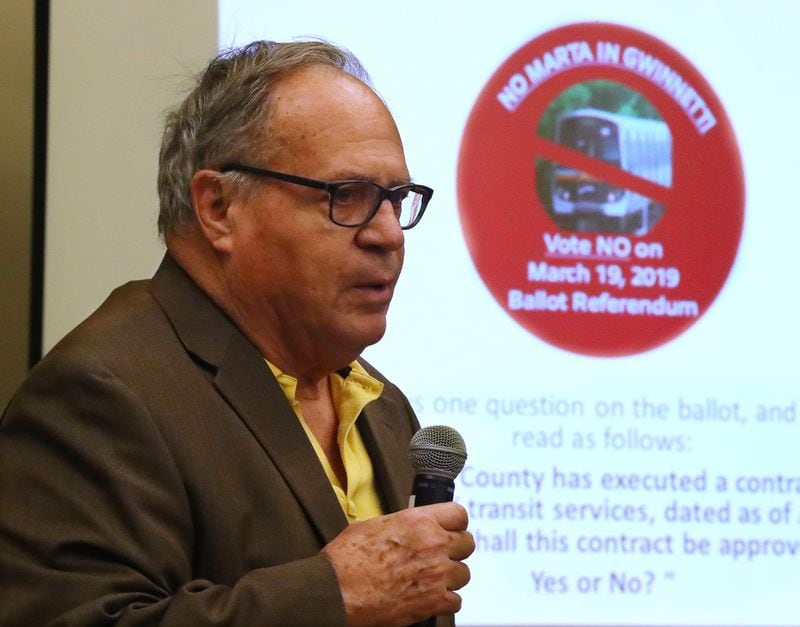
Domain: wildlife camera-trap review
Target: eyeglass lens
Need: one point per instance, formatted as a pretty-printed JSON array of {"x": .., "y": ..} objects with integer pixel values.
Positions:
[{"x": 352, "y": 203}]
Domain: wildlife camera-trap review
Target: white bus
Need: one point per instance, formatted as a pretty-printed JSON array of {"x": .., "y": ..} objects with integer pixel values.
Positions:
[{"x": 640, "y": 146}]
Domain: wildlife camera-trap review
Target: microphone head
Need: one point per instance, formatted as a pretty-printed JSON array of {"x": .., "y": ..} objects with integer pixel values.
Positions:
[{"x": 438, "y": 450}]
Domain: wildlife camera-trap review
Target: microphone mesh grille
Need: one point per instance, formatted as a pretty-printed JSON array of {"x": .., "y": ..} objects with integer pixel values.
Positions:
[{"x": 438, "y": 449}]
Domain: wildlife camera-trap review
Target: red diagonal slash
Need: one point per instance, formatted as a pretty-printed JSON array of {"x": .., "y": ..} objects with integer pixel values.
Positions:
[{"x": 568, "y": 157}]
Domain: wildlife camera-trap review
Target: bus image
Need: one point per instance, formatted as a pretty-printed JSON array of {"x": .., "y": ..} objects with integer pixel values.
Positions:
[{"x": 640, "y": 146}]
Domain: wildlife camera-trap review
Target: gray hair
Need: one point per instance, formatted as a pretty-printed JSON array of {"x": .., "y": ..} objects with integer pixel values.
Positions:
[{"x": 222, "y": 118}]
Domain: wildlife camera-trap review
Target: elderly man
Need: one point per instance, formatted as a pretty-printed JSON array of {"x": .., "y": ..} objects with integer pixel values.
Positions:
[{"x": 206, "y": 448}]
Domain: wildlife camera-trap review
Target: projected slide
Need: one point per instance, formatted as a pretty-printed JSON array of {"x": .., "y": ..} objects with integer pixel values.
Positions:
[{"x": 602, "y": 296}]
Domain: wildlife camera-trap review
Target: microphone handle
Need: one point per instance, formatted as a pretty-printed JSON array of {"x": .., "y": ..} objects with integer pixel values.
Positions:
[{"x": 429, "y": 488}]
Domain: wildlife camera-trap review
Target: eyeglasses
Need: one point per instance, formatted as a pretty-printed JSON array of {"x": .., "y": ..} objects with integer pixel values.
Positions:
[{"x": 354, "y": 203}]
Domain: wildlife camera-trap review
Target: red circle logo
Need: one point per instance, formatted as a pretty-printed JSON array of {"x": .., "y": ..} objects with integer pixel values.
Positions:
[{"x": 600, "y": 190}]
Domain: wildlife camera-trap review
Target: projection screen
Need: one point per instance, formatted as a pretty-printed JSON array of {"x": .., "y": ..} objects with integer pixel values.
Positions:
[{"x": 600, "y": 298}]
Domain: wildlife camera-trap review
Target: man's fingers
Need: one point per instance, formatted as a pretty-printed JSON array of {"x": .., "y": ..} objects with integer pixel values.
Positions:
[
  {"x": 453, "y": 601},
  {"x": 462, "y": 545},
  {"x": 458, "y": 576},
  {"x": 449, "y": 516}
]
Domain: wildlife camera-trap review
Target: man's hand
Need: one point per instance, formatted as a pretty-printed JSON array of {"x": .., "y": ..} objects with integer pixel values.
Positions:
[{"x": 404, "y": 567}]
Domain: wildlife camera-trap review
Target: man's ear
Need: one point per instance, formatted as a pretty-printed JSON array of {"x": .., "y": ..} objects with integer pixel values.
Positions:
[{"x": 211, "y": 200}]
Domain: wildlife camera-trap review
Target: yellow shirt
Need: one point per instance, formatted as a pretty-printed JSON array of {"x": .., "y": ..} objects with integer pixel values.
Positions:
[{"x": 350, "y": 395}]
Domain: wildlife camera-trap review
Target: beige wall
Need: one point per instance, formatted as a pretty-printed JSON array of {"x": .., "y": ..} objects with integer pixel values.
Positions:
[
  {"x": 16, "y": 157},
  {"x": 115, "y": 67}
]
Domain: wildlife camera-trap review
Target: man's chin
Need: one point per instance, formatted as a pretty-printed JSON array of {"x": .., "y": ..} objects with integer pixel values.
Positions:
[{"x": 369, "y": 332}]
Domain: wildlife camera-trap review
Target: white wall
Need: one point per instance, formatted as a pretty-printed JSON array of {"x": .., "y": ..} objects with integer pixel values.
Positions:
[{"x": 115, "y": 68}]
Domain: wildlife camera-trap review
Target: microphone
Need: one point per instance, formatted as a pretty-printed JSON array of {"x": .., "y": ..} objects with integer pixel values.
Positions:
[{"x": 438, "y": 454}]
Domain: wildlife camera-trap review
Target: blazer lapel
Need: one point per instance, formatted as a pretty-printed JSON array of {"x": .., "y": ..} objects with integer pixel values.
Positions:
[
  {"x": 244, "y": 380},
  {"x": 388, "y": 451}
]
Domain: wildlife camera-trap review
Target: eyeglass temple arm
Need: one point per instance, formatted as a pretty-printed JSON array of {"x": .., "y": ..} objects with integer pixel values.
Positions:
[{"x": 289, "y": 178}]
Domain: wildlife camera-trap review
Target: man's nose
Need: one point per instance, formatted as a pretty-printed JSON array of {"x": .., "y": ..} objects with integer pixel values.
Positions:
[{"x": 383, "y": 230}]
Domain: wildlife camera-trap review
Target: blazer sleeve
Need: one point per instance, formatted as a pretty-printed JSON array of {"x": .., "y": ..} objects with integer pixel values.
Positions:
[{"x": 96, "y": 527}]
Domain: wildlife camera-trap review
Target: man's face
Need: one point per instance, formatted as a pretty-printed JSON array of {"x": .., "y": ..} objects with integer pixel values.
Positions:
[{"x": 307, "y": 288}]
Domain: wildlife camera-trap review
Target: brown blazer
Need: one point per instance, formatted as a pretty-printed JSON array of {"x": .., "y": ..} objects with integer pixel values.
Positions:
[{"x": 152, "y": 472}]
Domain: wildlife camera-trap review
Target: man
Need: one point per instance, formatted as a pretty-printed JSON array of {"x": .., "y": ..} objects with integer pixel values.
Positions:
[{"x": 190, "y": 454}]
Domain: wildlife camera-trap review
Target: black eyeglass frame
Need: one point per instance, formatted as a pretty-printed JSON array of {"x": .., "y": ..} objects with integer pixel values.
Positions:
[{"x": 385, "y": 193}]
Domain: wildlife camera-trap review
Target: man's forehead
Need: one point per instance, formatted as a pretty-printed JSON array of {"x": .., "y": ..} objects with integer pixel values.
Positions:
[
  {"x": 317, "y": 88},
  {"x": 325, "y": 110}
]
